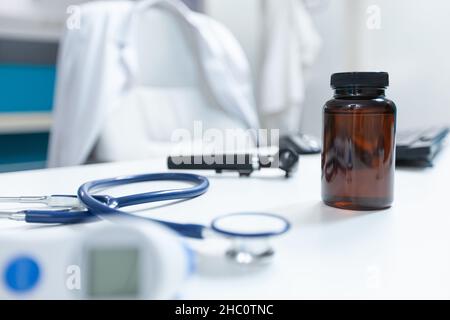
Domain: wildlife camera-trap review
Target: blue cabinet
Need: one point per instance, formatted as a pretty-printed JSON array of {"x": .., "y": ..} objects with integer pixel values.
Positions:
[
  {"x": 23, "y": 151},
  {"x": 27, "y": 85},
  {"x": 26, "y": 88}
]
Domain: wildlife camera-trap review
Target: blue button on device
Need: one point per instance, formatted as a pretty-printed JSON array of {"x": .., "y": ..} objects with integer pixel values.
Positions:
[{"x": 22, "y": 274}]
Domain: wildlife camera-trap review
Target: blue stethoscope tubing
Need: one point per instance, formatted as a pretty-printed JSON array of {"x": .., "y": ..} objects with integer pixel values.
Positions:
[
  {"x": 104, "y": 205},
  {"x": 99, "y": 206}
]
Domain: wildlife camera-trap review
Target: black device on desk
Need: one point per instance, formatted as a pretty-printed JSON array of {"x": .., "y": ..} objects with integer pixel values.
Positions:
[
  {"x": 244, "y": 164},
  {"x": 301, "y": 143},
  {"x": 286, "y": 159},
  {"x": 417, "y": 148}
]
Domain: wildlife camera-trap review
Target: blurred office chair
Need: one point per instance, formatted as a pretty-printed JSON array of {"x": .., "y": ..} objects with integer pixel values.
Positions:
[
  {"x": 169, "y": 95},
  {"x": 136, "y": 72}
]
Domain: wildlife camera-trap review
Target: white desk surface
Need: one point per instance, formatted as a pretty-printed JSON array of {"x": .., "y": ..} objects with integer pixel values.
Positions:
[{"x": 402, "y": 252}]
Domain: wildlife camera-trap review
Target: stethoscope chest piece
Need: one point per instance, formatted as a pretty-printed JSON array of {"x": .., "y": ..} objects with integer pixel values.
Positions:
[{"x": 250, "y": 235}]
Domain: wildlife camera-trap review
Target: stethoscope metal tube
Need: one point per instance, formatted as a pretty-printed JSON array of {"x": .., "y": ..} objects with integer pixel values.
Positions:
[
  {"x": 67, "y": 209},
  {"x": 64, "y": 201}
]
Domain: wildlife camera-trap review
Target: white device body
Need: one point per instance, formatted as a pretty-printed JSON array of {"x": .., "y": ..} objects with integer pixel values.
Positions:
[{"x": 118, "y": 259}]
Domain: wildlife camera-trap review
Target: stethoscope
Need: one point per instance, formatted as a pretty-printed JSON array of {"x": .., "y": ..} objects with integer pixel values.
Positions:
[{"x": 248, "y": 231}]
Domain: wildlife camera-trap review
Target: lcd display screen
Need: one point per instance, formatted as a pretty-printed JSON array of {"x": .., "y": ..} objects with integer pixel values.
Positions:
[{"x": 113, "y": 272}]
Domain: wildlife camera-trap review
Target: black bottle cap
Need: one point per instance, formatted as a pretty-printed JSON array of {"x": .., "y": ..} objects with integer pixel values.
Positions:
[{"x": 360, "y": 79}]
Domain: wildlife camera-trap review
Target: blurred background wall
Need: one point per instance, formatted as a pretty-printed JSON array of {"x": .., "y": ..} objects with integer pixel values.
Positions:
[
  {"x": 411, "y": 43},
  {"x": 413, "y": 46}
]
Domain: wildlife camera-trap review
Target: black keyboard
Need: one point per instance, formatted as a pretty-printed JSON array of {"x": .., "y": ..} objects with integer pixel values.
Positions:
[{"x": 419, "y": 147}]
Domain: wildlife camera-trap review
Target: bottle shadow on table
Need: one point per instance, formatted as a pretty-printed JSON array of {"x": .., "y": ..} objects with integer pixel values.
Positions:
[{"x": 318, "y": 213}]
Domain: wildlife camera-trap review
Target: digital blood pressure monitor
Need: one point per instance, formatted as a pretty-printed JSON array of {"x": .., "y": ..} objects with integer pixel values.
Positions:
[{"x": 126, "y": 259}]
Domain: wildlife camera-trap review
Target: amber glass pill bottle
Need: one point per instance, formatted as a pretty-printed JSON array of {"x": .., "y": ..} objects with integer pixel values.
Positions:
[{"x": 358, "y": 157}]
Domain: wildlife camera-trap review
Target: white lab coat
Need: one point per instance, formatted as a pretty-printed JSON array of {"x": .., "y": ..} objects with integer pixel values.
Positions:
[
  {"x": 290, "y": 44},
  {"x": 98, "y": 66}
]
